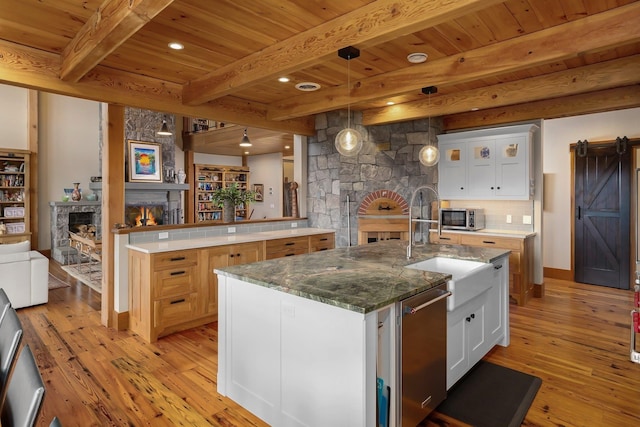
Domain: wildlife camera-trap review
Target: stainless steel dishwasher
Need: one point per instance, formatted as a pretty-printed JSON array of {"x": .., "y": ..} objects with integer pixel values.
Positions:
[{"x": 423, "y": 348}]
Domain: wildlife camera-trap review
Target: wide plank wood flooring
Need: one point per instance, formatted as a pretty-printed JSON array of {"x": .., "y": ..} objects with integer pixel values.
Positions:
[{"x": 576, "y": 339}]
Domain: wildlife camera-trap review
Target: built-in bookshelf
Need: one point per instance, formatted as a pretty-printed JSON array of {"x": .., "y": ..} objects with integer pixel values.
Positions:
[
  {"x": 14, "y": 196},
  {"x": 208, "y": 179}
]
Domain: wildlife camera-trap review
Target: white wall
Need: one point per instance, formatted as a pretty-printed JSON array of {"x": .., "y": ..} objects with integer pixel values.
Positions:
[
  {"x": 558, "y": 134},
  {"x": 267, "y": 170},
  {"x": 69, "y": 133},
  {"x": 214, "y": 159},
  {"x": 13, "y": 117}
]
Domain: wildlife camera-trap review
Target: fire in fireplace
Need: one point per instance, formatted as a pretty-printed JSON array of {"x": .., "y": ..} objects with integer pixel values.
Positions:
[{"x": 141, "y": 216}]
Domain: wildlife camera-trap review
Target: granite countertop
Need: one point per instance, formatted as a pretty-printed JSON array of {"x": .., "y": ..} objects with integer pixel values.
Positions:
[
  {"x": 358, "y": 278},
  {"x": 229, "y": 239}
]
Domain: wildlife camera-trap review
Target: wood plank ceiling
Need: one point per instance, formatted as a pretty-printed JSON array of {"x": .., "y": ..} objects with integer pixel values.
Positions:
[{"x": 492, "y": 61}]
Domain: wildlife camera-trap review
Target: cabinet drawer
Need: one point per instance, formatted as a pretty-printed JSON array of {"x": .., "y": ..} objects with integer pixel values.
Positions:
[
  {"x": 287, "y": 247},
  {"x": 321, "y": 242},
  {"x": 176, "y": 281},
  {"x": 491, "y": 241},
  {"x": 175, "y": 259},
  {"x": 445, "y": 238},
  {"x": 174, "y": 311}
]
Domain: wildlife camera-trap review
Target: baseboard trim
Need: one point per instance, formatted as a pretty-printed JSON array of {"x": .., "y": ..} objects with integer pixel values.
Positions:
[{"x": 556, "y": 273}]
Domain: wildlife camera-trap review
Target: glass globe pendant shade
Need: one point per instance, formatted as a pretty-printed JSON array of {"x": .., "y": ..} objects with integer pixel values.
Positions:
[
  {"x": 429, "y": 155},
  {"x": 348, "y": 142}
]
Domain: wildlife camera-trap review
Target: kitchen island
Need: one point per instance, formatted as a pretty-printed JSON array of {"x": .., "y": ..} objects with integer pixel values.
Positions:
[{"x": 303, "y": 339}]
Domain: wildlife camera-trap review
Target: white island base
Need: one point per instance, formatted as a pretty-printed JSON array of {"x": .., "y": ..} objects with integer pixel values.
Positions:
[{"x": 293, "y": 361}]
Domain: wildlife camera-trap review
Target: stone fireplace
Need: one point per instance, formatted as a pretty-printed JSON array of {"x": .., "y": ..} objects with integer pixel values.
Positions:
[{"x": 65, "y": 217}]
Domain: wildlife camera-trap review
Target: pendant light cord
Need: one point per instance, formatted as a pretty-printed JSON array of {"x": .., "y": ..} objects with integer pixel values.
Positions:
[{"x": 349, "y": 91}]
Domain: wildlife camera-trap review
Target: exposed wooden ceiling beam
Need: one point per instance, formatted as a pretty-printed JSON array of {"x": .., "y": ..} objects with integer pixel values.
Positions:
[
  {"x": 586, "y": 103},
  {"x": 108, "y": 28},
  {"x": 375, "y": 22},
  {"x": 592, "y": 33},
  {"x": 36, "y": 69},
  {"x": 603, "y": 75}
]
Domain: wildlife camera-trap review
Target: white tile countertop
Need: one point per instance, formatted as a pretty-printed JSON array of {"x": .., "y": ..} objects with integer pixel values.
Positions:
[{"x": 184, "y": 244}]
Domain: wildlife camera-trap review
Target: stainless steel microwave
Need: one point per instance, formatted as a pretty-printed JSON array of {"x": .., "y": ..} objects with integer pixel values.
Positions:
[{"x": 469, "y": 219}]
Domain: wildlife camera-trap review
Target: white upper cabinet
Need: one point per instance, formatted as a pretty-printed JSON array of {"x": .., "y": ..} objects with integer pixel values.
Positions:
[{"x": 488, "y": 164}]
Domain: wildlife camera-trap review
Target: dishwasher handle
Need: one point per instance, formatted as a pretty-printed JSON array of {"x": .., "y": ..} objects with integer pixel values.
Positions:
[{"x": 414, "y": 310}]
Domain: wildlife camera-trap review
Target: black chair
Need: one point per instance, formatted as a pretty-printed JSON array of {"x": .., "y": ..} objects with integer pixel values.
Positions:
[
  {"x": 4, "y": 303},
  {"x": 25, "y": 392},
  {"x": 10, "y": 338}
]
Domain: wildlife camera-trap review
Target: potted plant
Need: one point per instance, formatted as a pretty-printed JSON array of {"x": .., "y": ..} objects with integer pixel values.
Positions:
[{"x": 229, "y": 197}]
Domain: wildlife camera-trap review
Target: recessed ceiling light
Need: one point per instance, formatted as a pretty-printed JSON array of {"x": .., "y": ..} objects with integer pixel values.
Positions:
[
  {"x": 475, "y": 109},
  {"x": 307, "y": 86},
  {"x": 286, "y": 147},
  {"x": 246, "y": 152},
  {"x": 417, "y": 57},
  {"x": 283, "y": 79},
  {"x": 176, "y": 46},
  {"x": 390, "y": 103}
]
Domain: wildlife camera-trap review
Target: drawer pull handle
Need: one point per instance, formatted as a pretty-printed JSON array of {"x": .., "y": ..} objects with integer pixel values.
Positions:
[
  {"x": 322, "y": 249},
  {"x": 178, "y": 301},
  {"x": 497, "y": 267},
  {"x": 289, "y": 254},
  {"x": 489, "y": 242},
  {"x": 289, "y": 243},
  {"x": 324, "y": 239},
  {"x": 177, "y": 273},
  {"x": 178, "y": 258},
  {"x": 445, "y": 238}
]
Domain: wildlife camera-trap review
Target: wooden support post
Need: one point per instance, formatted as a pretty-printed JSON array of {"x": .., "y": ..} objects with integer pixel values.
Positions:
[{"x": 113, "y": 176}]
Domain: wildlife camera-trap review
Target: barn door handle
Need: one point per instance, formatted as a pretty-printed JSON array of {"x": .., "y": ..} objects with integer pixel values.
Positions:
[{"x": 579, "y": 212}]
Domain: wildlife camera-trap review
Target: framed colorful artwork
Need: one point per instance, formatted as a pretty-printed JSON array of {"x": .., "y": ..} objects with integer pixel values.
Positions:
[{"x": 145, "y": 161}]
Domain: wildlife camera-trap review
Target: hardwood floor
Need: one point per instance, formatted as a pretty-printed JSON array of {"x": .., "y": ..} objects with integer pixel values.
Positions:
[{"x": 576, "y": 339}]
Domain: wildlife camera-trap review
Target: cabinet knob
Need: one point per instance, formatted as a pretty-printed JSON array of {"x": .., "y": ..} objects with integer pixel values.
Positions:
[
  {"x": 492, "y": 188},
  {"x": 462, "y": 188}
]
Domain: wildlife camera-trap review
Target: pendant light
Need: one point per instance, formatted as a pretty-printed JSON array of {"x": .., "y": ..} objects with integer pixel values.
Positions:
[
  {"x": 164, "y": 129},
  {"x": 348, "y": 141},
  {"x": 429, "y": 154},
  {"x": 245, "y": 140}
]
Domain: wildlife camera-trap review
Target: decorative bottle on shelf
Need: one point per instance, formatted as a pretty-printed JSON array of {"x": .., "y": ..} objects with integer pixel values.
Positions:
[
  {"x": 182, "y": 176},
  {"x": 76, "y": 195}
]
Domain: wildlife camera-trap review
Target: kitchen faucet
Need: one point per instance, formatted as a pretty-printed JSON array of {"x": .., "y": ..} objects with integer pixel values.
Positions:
[{"x": 430, "y": 221}]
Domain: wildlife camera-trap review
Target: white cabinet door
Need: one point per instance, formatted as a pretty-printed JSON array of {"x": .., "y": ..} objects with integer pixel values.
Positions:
[
  {"x": 481, "y": 163},
  {"x": 466, "y": 338},
  {"x": 457, "y": 361},
  {"x": 452, "y": 170},
  {"x": 477, "y": 335},
  {"x": 512, "y": 168}
]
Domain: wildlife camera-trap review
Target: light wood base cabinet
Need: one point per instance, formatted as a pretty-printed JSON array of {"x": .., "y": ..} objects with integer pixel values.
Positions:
[
  {"x": 221, "y": 257},
  {"x": 177, "y": 290},
  {"x": 166, "y": 293},
  {"x": 521, "y": 286}
]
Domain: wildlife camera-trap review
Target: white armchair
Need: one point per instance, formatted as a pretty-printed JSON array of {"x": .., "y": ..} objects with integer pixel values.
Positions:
[{"x": 24, "y": 274}]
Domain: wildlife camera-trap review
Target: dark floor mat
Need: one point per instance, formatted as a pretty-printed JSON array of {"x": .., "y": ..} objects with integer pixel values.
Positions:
[{"x": 491, "y": 396}]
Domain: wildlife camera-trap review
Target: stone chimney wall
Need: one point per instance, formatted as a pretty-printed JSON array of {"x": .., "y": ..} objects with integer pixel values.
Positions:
[{"x": 388, "y": 161}]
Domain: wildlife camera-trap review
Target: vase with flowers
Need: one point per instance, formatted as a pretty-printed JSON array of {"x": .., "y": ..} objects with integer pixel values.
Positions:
[{"x": 229, "y": 197}]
